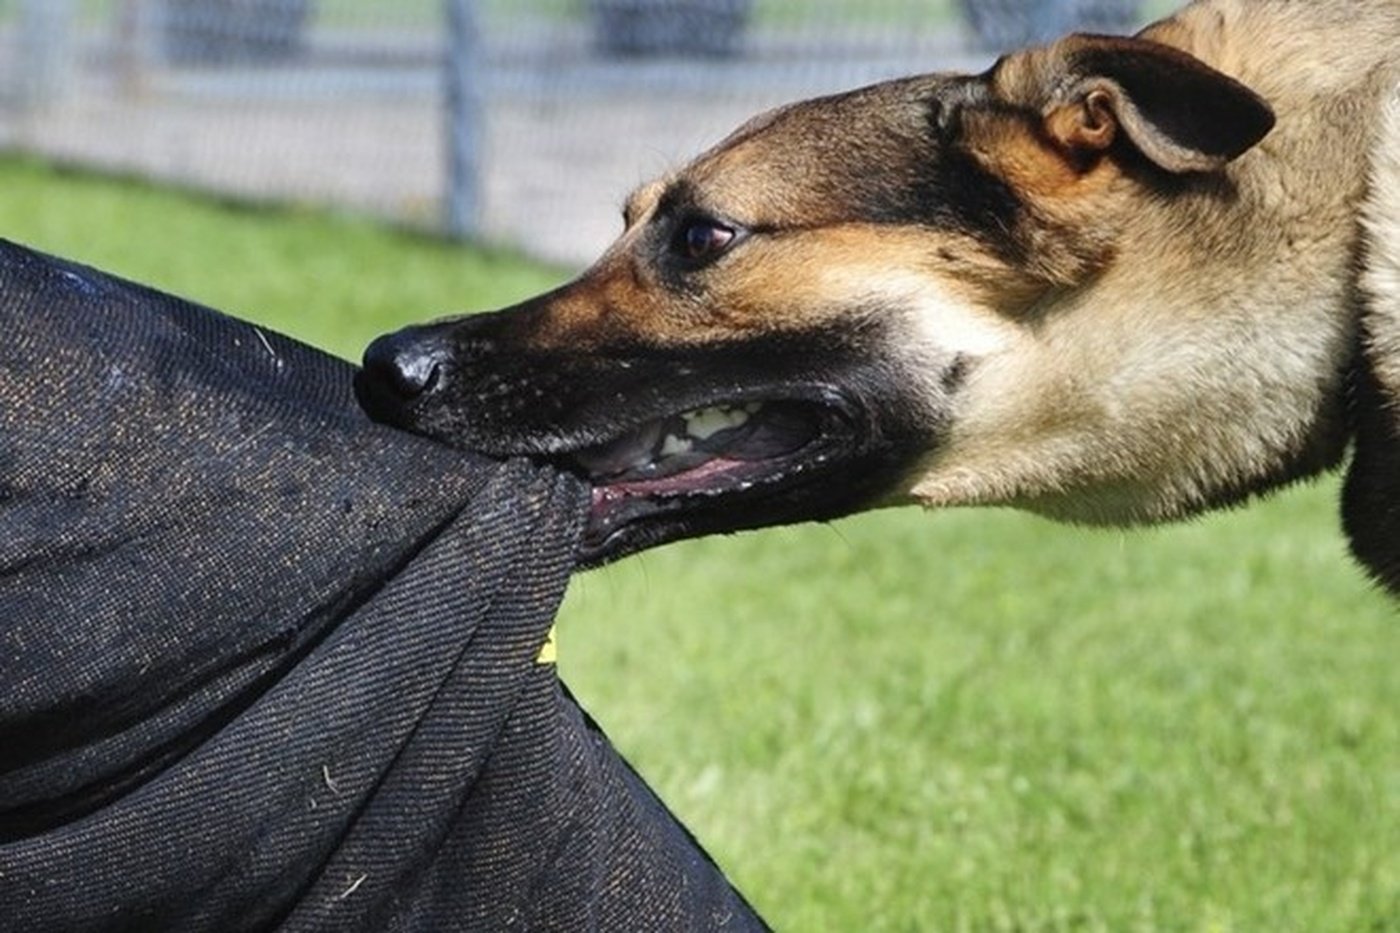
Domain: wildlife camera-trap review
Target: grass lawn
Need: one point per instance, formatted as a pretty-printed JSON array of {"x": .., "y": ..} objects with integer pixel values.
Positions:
[{"x": 962, "y": 721}]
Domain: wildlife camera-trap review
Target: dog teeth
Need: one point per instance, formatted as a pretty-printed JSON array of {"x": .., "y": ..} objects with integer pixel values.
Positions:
[
  {"x": 672, "y": 446},
  {"x": 704, "y": 423}
]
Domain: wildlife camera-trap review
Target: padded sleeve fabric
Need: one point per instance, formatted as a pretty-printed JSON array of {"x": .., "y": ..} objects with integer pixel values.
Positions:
[{"x": 267, "y": 665}]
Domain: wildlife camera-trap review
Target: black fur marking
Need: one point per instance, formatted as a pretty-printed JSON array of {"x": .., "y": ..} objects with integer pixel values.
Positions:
[
  {"x": 1371, "y": 495},
  {"x": 498, "y": 395},
  {"x": 938, "y": 184},
  {"x": 961, "y": 194},
  {"x": 678, "y": 198},
  {"x": 955, "y": 375},
  {"x": 1190, "y": 103}
]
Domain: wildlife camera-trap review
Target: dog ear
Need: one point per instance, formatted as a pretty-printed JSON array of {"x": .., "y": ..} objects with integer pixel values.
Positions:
[{"x": 1177, "y": 111}]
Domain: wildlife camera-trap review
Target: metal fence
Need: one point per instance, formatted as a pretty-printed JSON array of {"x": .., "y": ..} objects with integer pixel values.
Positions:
[{"x": 522, "y": 121}]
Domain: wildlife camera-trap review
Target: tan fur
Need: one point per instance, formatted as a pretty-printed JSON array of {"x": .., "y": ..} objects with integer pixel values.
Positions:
[
  {"x": 1382, "y": 278},
  {"x": 1217, "y": 339}
]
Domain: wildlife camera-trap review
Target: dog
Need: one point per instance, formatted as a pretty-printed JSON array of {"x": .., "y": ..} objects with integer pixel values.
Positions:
[{"x": 1111, "y": 280}]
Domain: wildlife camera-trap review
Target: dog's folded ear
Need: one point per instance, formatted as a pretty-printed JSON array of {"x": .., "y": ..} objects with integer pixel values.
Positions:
[{"x": 1177, "y": 111}]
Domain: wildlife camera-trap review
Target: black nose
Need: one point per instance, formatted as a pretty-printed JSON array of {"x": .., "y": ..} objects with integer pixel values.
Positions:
[{"x": 401, "y": 367}]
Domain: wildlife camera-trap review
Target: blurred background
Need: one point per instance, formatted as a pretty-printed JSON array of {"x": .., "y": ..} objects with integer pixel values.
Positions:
[
  {"x": 520, "y": 121},
  {"x": 970, "y": 721}
]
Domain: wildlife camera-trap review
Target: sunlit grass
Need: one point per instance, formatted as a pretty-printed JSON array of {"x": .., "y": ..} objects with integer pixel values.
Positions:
[{"x": 334, "y": 281}]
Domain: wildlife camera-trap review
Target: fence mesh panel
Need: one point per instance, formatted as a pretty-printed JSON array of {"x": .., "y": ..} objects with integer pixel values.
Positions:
[{"x": 523, "y": 121}]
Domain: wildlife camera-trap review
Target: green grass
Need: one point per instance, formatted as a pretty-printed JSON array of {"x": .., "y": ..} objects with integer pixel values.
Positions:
[
  {"x": 982, "y": 721},
  {"x": 959, "y": 721},
  {"x": 333, "y": 281}
]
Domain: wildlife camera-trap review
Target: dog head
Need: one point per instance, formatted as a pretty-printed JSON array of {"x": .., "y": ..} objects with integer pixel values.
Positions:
[{"x": 849, "y": 302}]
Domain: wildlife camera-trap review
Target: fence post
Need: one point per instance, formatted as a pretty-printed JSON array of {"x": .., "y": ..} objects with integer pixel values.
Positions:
[
  {"x": 46, "y": 51},
  {"x": 465, "y": 118},
  {"x": 135, "y": 52}
]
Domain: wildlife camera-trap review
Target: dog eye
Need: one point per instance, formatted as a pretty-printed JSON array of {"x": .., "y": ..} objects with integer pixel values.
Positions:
[{"x": 703, "y": 239}]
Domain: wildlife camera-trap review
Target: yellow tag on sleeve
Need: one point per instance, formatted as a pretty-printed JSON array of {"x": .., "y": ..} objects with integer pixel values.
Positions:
[{"x": 549, "y": 651}]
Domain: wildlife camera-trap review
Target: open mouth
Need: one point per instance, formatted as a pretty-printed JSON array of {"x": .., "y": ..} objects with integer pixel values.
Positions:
[{"x": 665, "y": 470}]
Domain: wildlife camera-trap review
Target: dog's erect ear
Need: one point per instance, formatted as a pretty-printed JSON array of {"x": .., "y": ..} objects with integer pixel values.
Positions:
[{"x": 1179, "y": 112}]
